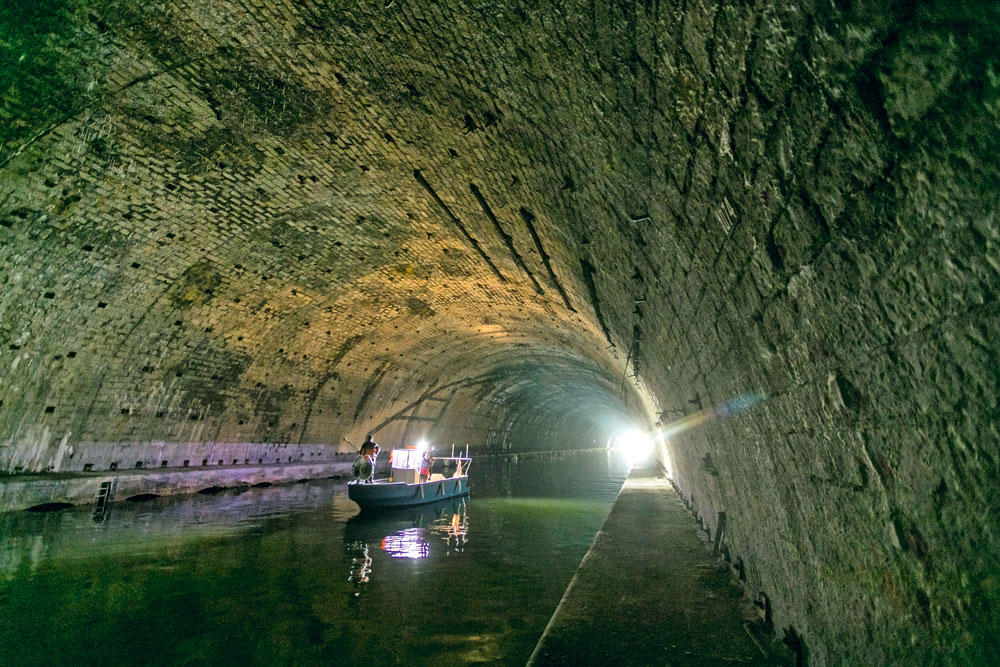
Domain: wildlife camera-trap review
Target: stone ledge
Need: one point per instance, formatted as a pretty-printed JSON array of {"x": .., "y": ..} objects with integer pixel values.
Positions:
[{"x": 24, "y": 491}]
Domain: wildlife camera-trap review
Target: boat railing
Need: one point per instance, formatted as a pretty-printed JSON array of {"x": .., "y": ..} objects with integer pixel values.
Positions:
[{"x": 463, "y": 463}]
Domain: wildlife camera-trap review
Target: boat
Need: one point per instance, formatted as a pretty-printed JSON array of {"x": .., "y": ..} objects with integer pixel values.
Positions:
[{"x": 448, "y": 478}]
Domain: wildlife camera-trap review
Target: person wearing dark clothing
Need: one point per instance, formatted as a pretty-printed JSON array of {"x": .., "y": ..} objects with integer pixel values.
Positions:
[{"x": 365, "y": 461}]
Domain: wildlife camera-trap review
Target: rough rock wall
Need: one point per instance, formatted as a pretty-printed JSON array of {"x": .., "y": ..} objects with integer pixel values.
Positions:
[
  {"x": 294, "y": 223},
  {"x": 858, "y": 291}
]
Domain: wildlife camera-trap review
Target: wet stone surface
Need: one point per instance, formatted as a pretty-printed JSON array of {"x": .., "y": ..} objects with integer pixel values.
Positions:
[{"x": 650, "y": 592}]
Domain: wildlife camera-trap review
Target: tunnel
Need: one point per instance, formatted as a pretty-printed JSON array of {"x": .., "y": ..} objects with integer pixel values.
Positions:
[{"x": 764, "y": 232}]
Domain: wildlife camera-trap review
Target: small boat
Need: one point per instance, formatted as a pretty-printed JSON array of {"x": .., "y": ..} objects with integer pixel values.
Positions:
[{"x": 448, "y": 478}]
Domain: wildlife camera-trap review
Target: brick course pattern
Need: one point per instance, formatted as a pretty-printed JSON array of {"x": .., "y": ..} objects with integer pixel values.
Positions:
[{"x": 523, "y": 226}]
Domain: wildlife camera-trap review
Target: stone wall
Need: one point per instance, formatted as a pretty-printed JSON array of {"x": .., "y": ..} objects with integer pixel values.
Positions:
[
  {"x": 858, "y": 291},
  {"x": 527, "y": 224},
  {"x": 96, "y": 456}
]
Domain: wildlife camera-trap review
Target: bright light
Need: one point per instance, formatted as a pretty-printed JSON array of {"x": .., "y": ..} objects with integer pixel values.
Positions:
[
  {"x": 408, "y": 543},
  {"x": 635, "y": 445},
  {"x": 421, "y": 444}
]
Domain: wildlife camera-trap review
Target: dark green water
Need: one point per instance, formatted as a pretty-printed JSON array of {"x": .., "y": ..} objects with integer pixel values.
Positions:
[{"x": 293, "y": 575}]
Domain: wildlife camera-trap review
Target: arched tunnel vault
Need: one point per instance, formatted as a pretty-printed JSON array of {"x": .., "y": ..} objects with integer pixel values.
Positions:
[
  {"x": 518, "y": 225},
  {"x": 248, "y": 251},
  {"x": 529, "y": 401}
]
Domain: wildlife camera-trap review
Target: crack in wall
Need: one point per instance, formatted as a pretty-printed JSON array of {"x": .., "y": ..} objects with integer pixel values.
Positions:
[
  {"x": 342, "y": 351},
  {"x": 636, "y": 337},
  {"x": 430, "y": 395},
  {"x": 433, "y": 421},
  {"x": 458, "y": 223},
  {"x": 529, "y": 219},
  {"x": 632, "y": 357},
  {"x": 588, "y": 277},
  {"x": 370, "y": 387},
  {"x": 507, "y": 239}
]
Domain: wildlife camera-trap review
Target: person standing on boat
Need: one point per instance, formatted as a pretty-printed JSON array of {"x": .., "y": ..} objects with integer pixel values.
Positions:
[
  {"x": 369, "y": 452},
  {"x": 425, "y": 466},
  {"x": 369, "y": 446}
]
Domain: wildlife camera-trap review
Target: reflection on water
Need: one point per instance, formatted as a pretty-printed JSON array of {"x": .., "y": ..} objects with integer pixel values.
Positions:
[
  {"x": 294, "y": 575},
  {"x": 407, "y": 543},
  {"x": 453, "y": 528},
  {"x": 30, "y": 539},
  {"x": 361, "y": 563},
  {"x": 405, "y": 533}
]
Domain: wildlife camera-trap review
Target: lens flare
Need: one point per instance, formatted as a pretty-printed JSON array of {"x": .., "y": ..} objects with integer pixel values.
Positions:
[{"x": 731, "y": 406}]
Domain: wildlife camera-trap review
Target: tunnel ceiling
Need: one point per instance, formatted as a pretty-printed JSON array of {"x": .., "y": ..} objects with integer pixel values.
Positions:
[
  {"x": 232, "y": 223},
  {"x": 522, "y": 225}
]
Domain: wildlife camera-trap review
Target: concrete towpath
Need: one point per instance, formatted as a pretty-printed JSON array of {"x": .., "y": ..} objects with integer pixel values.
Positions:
[{"x": 650, "y": 592}]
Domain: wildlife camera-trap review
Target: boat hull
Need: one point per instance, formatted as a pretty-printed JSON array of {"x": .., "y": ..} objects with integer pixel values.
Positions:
[{"x": 387, "y": 495}]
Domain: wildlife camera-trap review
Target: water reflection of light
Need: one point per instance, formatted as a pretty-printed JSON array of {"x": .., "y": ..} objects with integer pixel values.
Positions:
[
  {"x": 453, "y": 530},
  {"x": 408, "y": 543},
  {"x": 361, "y": 567},
  {"x": 409, "y": 534}
]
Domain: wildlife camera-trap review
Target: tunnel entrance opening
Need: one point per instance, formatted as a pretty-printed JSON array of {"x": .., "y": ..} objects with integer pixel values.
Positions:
[{"x": 634, "y": 444}]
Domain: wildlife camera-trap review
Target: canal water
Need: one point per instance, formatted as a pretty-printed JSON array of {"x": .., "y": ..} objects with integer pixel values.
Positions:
[{"x": 294, "y": 575}]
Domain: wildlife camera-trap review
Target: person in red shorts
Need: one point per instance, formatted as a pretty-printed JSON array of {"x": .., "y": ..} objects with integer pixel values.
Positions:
[{"x": 425, "y": 466}]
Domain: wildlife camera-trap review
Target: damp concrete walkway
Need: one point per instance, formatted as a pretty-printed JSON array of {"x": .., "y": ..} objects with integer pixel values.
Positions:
[{"x": 650, "y": 592}]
